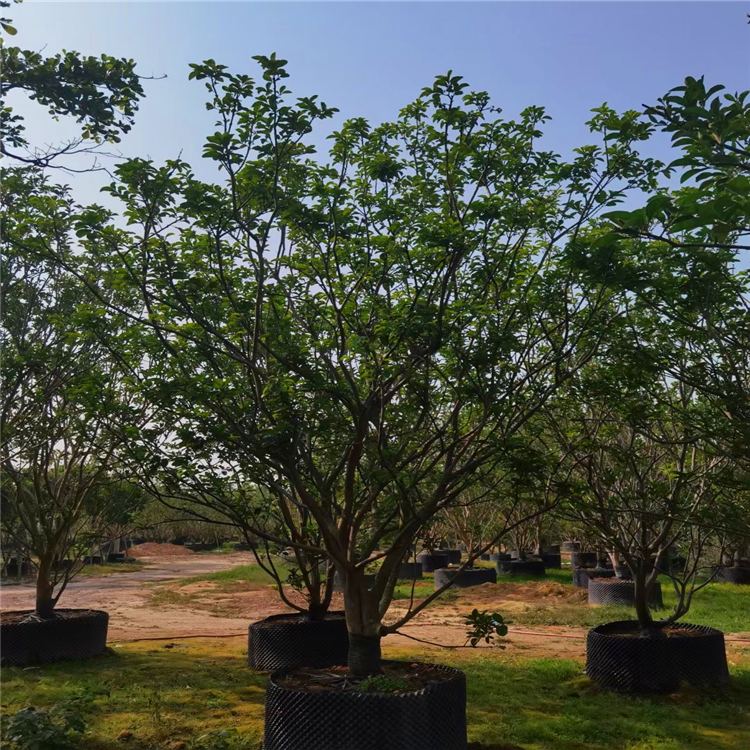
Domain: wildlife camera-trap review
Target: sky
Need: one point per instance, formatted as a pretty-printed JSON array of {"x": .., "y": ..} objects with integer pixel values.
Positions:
[{"x": 369, "y": 59}]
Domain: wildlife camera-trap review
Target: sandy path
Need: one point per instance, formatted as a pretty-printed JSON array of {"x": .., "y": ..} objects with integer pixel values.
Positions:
[{"x": 125, "y": 597}]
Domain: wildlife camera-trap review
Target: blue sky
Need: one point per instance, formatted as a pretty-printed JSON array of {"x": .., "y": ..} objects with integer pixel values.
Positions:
[{"x": 369, "y": 59}]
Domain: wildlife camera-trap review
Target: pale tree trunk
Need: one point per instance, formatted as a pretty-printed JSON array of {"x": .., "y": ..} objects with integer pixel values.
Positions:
[{"x": 364, "y": 625}]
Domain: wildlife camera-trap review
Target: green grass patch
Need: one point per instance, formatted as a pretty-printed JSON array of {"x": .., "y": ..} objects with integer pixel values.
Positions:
[
  {"x": 724, "y": 606},
  {"x": 164, "y": 696},
  {"x": 228, "y": 580},
  {"x": 106, "y": 569}
]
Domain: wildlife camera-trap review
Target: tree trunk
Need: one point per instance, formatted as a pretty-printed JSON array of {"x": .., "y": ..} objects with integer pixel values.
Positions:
[
  {"x": 363, "y": 624},
  {"x": 642, "y": 609},
  {"x": 45, "y": 603}
]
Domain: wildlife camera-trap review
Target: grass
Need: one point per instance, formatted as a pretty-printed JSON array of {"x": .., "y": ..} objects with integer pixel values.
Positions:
[
  {"x": 166, "y": 696},
  {"x": 724, "y": 606},
  {"x": 234, "y": 578},
  {"x": 106, "y": 569}
]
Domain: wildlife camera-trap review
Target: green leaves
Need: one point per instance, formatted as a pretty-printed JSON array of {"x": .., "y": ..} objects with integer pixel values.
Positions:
[{"x": 485, "y": 626}]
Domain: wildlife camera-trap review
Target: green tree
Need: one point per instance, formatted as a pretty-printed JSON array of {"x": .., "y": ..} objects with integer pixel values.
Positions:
[
  {"x": 60, "y": 491},
  {"x": 684, "y": 254},
  {"x": 100, "y": 93},
  {"x": 365, "y": 338}
]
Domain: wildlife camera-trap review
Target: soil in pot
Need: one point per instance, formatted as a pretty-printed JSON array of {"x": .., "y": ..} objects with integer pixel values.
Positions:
[
  {"x": 619, "y": 657},
  {"x": 431, "y": 563},
  {"x": 618, "y": 591},
  {"x": 293, "y": 640},
  {"x": 26, "y": 639},
  {"x": 409, "y": 707},
  {"x": 464, "y": 578}
]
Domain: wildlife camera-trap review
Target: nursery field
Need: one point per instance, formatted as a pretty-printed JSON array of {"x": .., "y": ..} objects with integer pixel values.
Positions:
[{"x": 176, "y": 691}]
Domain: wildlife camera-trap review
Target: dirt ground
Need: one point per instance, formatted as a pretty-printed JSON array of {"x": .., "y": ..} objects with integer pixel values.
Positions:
[{"x": 199, "y": 610}]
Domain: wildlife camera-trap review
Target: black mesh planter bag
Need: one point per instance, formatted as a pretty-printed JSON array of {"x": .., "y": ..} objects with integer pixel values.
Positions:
[
  {"x": 551, "y": 560},
  {"x": 733, "y": 574},
  {"x": 453, "y": 555},
  {"x": 430, "y": 563},
  {"x": 583, "y": 559},
  {"x": 521, "y": 567},
  {"x": 433, "y": 718},
  {"x": 286, "y": 641},
  {"x": 71, "y": 634},
  {"x": 582, "y": 576},
  {"x": 410, "y": 571},
  {"x": 635, "y": 664},
  {"x": 619, "y": 591},
  {"x": 571, "y": 546},
  {"x": 465, "y": 578}
]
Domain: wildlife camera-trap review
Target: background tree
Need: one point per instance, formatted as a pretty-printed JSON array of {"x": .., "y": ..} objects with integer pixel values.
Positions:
[
  {"x": 684, "y": 254},
  {"x": 642, "y": 477},
  {"x": 60, "y": 494}
]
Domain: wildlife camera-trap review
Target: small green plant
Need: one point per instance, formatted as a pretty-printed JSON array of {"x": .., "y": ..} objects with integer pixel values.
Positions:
[
  {"x": 382, "y": 684},
  {"x": 485, "y": 626},
  {"x": 31, "y": 728}
]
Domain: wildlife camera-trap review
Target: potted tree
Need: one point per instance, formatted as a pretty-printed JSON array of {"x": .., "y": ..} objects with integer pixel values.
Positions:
[
  {"x": 61, "y": 491},
  {"x": 644, "y": 482},
  {"x": 362, "y": 322}
]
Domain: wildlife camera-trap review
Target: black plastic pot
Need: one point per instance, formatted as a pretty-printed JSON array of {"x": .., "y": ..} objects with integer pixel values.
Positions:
[
  {"x": 286, "y": 641},
  {"x": 433, "y": 718},
  {"x": 583, "y": 559},
  {"x": 732, "y": 574},
  {"x": 495, "y": 556},
  {"x": 115, "y": 557},
  {"x": 582, "y": 576},
  {"x": 453, "y": 555},
  {"x": 338, "y": 584},
  {"x": 619, "y": 591},
  {"x": 521, "y": 567},
  {"x": 552, "y": 549},
  {"x": 430, "y": 562},
  {"x": 11, "y": 568},
  {"x": 465, "y": 578},
  {"x": 551, "y": 560},
  {"x": 94, "y": 560},
  {"x": 72, "y": 634},
  {"x": 410, "y": 571},
  {"x": 636, "y": 664},
  {"x": 571, "y": 546},
  {"x": 485, "y": 557}
]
